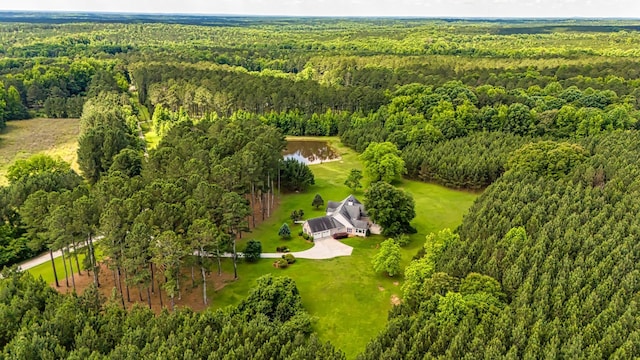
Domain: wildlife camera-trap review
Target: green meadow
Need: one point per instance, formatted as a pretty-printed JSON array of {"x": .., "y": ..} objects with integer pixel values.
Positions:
[{"x": 349, "y": 302}]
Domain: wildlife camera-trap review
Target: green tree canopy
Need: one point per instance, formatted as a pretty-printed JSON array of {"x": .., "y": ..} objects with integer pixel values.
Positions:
[
  {"x": 284, "y": 232},
  {"x": 387, "y": 259},
  {"x": 382, "y": 162},
  {"x": 391, "y": 208},
  {"x": 354, "y": 179}
]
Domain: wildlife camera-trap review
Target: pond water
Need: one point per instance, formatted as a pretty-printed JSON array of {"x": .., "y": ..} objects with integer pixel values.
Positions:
[{"x": 310, "y": 152}]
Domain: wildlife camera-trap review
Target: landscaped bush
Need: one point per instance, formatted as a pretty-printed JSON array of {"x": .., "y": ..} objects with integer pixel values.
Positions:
[
  {"x": 289, "y": 258},
  {"x": 283, "y": 249},
  {"x": 301, "y": 233},
  {"x": 281, "y": 264},
  {"x": 252, "y": 251},
  {"x": 305, "y": 236}
]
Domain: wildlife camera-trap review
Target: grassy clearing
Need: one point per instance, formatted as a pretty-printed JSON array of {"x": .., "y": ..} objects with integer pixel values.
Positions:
[
  {"x": 347, "y": 300},
  {"x": 23, "y": 138},
  {"x": 46, "y": 271},
  {"x": 150, "y": 136}
]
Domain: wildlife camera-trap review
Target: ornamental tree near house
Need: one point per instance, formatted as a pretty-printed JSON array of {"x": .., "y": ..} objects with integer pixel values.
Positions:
[
  {"x": 317, "y": 201},
  {"x": 284, "y": 232},
  {"x": 297, "y": 215},
  {"x": 391, "y": 208}
]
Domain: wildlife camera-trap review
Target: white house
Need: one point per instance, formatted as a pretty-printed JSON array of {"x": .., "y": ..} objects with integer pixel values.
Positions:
[{"x": 348, "y": 216}]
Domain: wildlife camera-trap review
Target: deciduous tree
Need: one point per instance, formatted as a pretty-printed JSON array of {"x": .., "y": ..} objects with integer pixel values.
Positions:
[
  {"x": 391, "y": 208},
  {"x": 382, "y": 162},
  {"x": 387, "y": 259},
  {"x": 353, "y": 180}
]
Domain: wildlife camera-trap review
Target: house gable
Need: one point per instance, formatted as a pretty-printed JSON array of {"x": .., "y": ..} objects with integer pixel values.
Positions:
[{"x": 348, "y": 215}]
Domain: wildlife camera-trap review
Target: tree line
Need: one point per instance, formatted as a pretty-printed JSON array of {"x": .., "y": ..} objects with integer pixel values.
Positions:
[{"x": 544, "y": 264}]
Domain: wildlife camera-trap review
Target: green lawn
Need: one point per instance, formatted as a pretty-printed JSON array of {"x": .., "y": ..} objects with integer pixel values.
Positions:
[
  {"x": 46, "y": 271},
  {"x": 348, "y": 301}
]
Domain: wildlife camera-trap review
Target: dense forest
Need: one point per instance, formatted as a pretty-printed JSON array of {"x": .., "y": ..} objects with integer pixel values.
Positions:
[{"x": 542, "y": 116}]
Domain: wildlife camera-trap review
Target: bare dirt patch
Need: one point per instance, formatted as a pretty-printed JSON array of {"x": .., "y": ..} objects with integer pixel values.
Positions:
[
  {"x": 396, "y": 283},
  {"x": 395, "y": 300},
  {"x": 190, "y": 296},
  {"x": 380, "y": 288}
]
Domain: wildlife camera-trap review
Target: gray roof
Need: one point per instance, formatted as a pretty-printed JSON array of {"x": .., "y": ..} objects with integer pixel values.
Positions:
[
  {"x": 353, "y": 199},
  {"x": 322, "y": 224},
  {"x": 350, "y": 208},
  {"x": 359, "y": 224},
  {"x": 351, "y": 212},
  {"x": 332, "y": 206}
]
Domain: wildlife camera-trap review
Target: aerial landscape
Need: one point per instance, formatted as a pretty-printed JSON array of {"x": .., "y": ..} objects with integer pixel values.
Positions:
[{"x": 299, "y": 183}]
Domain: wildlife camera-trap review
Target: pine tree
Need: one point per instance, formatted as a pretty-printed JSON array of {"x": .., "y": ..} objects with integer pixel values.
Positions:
[
  {"x": 317, "y": 201},
  {"x": 284, "y": 232}
]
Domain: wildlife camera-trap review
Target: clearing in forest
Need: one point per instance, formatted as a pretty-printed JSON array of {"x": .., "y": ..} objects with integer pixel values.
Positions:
[
  {"x": 349, "y": 302},
  {"x": 23, "y": 138}
]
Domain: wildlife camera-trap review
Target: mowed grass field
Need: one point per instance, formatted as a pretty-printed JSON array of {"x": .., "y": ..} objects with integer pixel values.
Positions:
[
  {"x": 23, "y": 138},
  {"x": 349, "y": 302}
]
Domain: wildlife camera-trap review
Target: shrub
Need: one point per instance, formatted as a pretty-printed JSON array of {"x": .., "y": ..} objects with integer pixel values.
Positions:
[
  {"x": 252, "y": 251},
  {"x": 284, "y": 232},
  {"x": 297, "y": 215},
  {"x": 403, "y": 240},
  {"x": 281, "y": 264},
  {"x": 301, "y": 233},
  {"x": 305, "y": 236},
  {"x": 283, "y": 249},
  {"x": 289, "y": 258}
]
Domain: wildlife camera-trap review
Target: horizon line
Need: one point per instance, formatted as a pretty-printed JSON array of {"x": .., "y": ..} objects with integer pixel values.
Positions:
[{"x": 247, "y": 15}]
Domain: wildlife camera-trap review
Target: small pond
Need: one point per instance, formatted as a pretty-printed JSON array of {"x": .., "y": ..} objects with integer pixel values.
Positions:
[{"x": 310, "y": 152}]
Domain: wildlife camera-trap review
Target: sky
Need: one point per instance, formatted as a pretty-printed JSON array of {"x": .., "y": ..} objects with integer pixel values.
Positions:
[{"x": 418, "y": 8}]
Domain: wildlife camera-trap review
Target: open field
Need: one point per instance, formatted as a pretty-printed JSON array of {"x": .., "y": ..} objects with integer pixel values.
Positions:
[
  {"x": 348, "y": 301},
  {"x": 23, "y": 138}
]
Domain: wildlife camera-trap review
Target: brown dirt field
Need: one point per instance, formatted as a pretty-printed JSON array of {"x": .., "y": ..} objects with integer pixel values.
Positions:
[{"x": 191, "y": 297}]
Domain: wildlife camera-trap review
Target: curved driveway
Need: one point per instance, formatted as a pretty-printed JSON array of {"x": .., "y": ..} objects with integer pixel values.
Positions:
[{"x": 327, "y": 248}]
